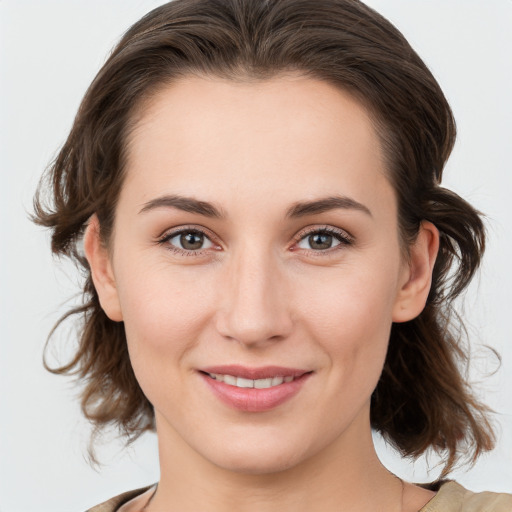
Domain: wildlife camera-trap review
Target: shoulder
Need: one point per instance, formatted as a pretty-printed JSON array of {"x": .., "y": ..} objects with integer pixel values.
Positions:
[
  {"x": 113, "y": 504},
  {"x": 452, "y": 497}
]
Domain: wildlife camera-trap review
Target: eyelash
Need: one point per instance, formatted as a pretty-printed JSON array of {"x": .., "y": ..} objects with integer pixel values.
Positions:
[
  {"x": 164, "y": 240},
  {"x": 341, "y": 236}
]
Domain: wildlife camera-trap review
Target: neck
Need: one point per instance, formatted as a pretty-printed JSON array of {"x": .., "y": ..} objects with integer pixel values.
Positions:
[{"x": 346, "y": 474}]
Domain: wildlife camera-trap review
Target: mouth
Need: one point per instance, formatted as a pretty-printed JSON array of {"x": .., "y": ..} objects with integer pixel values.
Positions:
[
  {"x": 254, "y": 389},
  {"x": 241, "y": 382}
]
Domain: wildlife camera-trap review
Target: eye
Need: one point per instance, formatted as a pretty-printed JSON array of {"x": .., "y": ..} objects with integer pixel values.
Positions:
[
  {"x": 187, "y": 241},
  {"x": 323, "y": 239}
]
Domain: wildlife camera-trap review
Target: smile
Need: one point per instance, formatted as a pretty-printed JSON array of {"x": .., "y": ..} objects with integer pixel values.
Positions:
[
  {"x": 241, "y": 382},
  {"x": 254, "y": 389}
]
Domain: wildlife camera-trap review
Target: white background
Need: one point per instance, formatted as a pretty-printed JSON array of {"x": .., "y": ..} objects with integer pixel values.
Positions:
[{"x": 50, "y": 51}]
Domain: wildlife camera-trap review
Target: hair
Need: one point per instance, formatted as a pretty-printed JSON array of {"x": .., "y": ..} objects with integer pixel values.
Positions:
[{"x": 423, "y": 399}]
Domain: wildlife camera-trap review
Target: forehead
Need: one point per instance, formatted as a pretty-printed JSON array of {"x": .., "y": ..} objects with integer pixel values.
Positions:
[{"x": 212, "y": 136}]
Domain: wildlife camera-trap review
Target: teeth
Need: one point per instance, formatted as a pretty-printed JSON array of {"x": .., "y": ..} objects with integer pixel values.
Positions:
[
  {"x": 277, "y": 380},
  {"x": 240, "y": 382},
  {"x": 229, "y": 379},
  {"x": 244, "y": 383},
  {"x": 263, "y": 383}
]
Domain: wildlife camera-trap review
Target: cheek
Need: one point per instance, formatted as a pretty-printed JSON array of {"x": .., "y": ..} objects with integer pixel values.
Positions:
[
  {"x": 164, "y": 316},
  {"x": 348, "y": 301},
  {"x": 349, "y": 315},
  {"x": 163, "y": 310}
]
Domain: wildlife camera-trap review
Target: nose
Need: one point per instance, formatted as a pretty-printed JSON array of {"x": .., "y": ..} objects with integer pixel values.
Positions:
[{"x": 253, "y": 308}]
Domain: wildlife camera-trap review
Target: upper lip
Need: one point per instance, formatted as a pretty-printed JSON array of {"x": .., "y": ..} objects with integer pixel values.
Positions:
[{"x": 263, "y": 372}]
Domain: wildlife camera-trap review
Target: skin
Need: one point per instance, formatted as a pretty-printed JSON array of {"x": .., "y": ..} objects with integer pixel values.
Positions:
[{"x": 258, "y": 293}]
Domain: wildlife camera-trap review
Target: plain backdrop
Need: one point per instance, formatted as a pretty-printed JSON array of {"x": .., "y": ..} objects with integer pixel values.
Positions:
[{"x": 50, "y": 51}]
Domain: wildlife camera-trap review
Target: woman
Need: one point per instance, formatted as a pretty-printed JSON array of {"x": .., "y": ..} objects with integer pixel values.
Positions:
[{"x": 271, "y": 258}]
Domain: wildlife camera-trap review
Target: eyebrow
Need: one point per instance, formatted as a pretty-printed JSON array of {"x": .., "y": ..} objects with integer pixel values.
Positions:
[
  {"x": 186, "y": 204},
  {"x": 300, "y": 209},
  {"x": 316, "y": 206}
]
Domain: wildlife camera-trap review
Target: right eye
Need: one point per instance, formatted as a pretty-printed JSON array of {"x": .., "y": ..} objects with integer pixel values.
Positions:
[{"x": 187, "y": 241}]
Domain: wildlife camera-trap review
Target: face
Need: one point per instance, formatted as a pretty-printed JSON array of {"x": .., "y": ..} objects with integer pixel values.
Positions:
[{"x": 256, "y": 264}]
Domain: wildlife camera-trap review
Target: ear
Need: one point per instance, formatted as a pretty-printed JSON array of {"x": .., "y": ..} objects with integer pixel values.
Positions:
[
  {"x": 101, "y": 270},
  {"x": 417, "y": 274}
]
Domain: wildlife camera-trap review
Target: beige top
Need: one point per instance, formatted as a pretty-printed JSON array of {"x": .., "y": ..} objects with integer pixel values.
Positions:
[{"x": 451, "y": 497}]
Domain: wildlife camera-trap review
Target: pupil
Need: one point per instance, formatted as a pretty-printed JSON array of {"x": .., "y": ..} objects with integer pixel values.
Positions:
[
  {"x": 191, "y": 241},
  {"x": 320, "y": 241}
]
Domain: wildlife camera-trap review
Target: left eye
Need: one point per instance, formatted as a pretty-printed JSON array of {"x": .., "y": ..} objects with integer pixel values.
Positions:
[
  {"x": 321, "y": 241},
  {"x": 190, "y": 240}
]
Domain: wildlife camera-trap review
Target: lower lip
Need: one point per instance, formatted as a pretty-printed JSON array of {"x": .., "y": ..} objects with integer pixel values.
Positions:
[{"x": 252, "y": 399}]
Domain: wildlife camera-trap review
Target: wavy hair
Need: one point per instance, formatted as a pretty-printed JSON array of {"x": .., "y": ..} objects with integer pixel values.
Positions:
[{"x": 423, "y": 399}]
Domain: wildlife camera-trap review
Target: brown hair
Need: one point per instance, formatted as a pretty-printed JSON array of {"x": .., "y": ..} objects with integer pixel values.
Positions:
[{"x": 423, "y": 399}]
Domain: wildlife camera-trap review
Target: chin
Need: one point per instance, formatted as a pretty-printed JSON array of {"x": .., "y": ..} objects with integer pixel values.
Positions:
[
  {"x": 248, "y": 456},
  {"x": 257, "y": 464}
]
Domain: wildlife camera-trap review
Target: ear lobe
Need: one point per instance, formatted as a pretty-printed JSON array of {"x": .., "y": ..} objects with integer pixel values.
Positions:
[
  {"x": 413, "y": 293},
  {"x": 101, "y": 270}
]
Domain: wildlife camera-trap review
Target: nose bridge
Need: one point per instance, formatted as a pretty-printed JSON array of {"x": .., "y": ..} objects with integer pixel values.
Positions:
[{"x": 254, "y": 308}]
